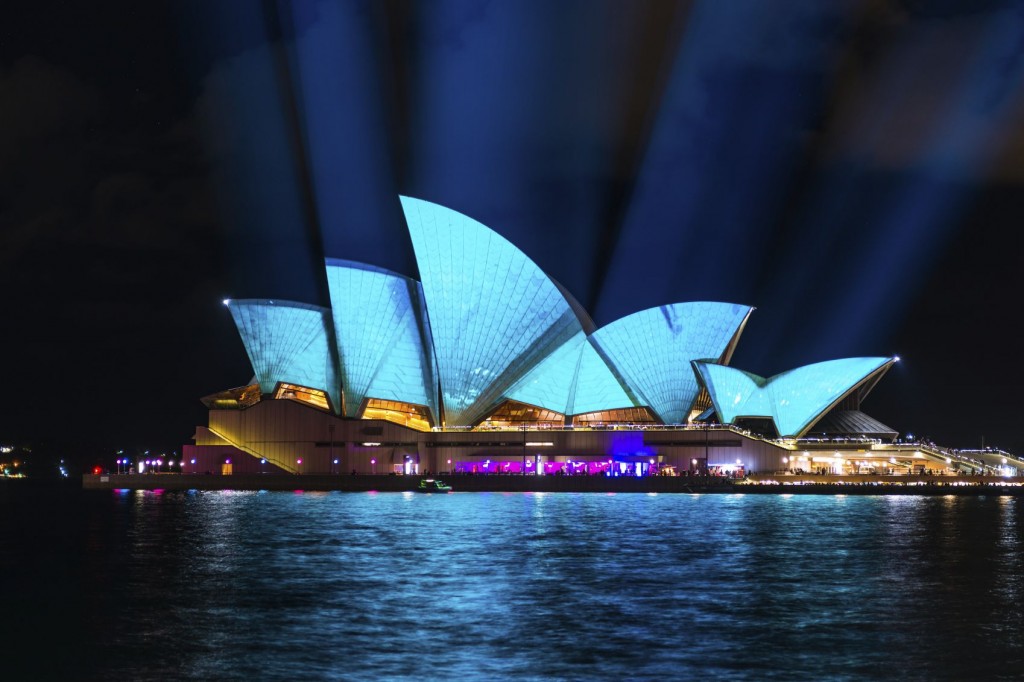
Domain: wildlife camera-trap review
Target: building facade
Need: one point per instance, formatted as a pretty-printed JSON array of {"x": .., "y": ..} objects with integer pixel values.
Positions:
[{"x": 487, "y": 365}]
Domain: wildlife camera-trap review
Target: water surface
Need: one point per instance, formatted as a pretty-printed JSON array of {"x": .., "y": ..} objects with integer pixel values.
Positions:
[{"x": 222, "y": 585}]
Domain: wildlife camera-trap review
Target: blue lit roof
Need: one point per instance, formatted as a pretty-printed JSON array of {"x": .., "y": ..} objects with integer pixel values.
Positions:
[
  {"x": 794, "y": 400},
  {"x": 650, "y": 351},
  {"x": 288, "y": 342},
  {"x": 493, "y": 313},
  {"x": 383, "y": 341},
  {"x": 596, "y": 388},
  {"x": 733, "y": 392},
  {"x": 550, "y": 382},
  {"x": 486, "y": 325}
]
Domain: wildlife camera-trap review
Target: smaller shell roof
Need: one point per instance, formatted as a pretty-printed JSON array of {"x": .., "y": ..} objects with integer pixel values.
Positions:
[{"x": 853, "y": 423}]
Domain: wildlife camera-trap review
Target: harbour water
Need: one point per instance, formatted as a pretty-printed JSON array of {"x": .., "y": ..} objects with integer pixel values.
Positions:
[{"x": 281, "y": 585}]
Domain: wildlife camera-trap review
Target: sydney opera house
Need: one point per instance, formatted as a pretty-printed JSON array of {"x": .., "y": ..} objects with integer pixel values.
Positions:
[{"x": 488, "y": 365}]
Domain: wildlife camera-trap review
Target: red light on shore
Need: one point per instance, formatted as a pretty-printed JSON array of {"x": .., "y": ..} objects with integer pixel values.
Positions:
[{"x": 97, "y": 470}]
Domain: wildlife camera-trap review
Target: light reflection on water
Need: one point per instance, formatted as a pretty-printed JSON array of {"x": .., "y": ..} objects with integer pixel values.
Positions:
[{"x": 497, "y": 585}]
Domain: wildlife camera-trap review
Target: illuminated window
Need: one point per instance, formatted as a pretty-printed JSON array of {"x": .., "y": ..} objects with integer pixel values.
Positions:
[
  {"x": 310, "y": 396},
  {"x": 407, "y": 414},
  {"x": 629, "y": 415},
  {"x": 288, "y": 342},
  {"x": 233, "y": 398},
  {"x": 513, "y": 413},
  {"x": 702, "y": 403},
  {"x": 382, "y": 336}
]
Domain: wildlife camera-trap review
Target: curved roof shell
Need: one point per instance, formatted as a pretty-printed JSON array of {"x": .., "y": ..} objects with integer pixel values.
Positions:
[
  {"x": 549, "y": 384},
  {"x": 596, "y": 388},
  {"x": 492, "y": 311},
  {"x": 650, "y": 351},
  {"x": 486, "y": 325},
  {"x": 288, "y": 342},
  {"x": 795, "y": 399},
  {"x": 382, "y": 338}
]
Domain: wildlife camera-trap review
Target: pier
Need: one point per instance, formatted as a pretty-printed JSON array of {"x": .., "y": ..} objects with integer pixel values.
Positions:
[{"x": 763, "y": 484}]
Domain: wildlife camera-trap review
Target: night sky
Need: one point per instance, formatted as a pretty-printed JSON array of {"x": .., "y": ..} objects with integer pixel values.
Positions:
[{"x": 855, "y": 170}]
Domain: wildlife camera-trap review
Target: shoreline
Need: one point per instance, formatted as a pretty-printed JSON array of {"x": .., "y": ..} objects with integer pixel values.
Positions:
[{"x": 553, "y": 484}]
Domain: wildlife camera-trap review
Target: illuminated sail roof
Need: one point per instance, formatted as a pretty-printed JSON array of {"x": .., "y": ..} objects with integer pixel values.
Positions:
[
  {"x": 493, "y": 313},
  {"x": 383, "y": 341},
  {"x": 550, "y": 382},
  {"x": 486, "y": 326},
  {"x": 734, "y": 393},
  {"x": 596, "y": 388},
  {"x": 288, "y": 342},
  {"x": 794, "y": 400},
  {"x": 650, "y": 351}
]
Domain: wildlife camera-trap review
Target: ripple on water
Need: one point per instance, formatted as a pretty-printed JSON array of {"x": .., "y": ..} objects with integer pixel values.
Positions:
[{"x": 485, "y": 586}]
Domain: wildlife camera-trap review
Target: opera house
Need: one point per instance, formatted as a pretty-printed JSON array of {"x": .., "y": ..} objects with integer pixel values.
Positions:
[{"x": 488, "y": 365}]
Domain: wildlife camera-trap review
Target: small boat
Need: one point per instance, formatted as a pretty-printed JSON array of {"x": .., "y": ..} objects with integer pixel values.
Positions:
[{"x": 430, "y": 485}]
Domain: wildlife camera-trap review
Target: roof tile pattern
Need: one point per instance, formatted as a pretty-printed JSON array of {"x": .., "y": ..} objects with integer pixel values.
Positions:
[
  {"x": 493, "y": 313},
  {"x": 486, "y": 325},
  {"x": 651, "y": 351},
  {"x": 795, "y": 399},
  {"x": 550, "y": 383},
  {"x": 381, "y": 335},
  {"x": 288, "y": 342}
]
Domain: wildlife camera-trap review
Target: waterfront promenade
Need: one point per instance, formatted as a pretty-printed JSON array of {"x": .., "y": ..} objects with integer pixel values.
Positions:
[{"x": 756, "y": 484}]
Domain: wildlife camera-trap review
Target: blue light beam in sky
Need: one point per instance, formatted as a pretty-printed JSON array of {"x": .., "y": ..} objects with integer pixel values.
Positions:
[
  {"x": 744, "y": 87},
  {"x": 335, "y": 53}
]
